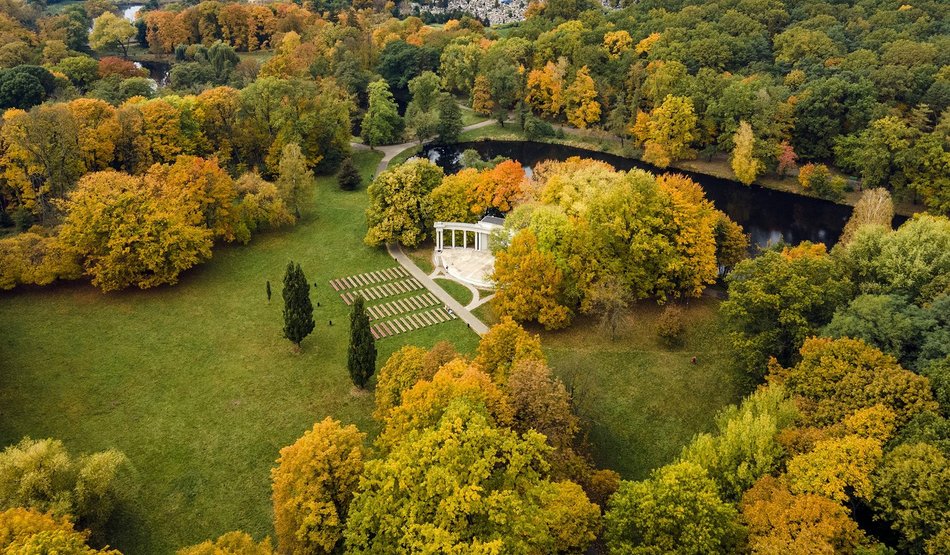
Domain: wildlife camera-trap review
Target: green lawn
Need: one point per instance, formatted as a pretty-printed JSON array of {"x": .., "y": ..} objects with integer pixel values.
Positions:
[
  {"x": 422, "y": 255},
  {"x": 458, "y": 291},
  {"x": 194, "y": 382},
  {"x": 641, "y": 401}
]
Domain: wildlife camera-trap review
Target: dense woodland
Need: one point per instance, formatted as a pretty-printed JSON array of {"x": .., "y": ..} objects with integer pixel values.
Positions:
[{"x": 842, "y": 444}]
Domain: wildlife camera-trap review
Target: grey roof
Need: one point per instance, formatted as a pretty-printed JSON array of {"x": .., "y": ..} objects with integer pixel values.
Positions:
[{"x": 492, "y": 220}]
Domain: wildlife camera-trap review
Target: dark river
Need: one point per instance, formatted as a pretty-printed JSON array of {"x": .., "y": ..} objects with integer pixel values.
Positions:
[{"x": 768, "y": 216}]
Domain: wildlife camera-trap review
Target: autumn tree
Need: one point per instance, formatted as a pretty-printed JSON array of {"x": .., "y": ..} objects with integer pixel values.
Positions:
[
  {"x": 500, "y": 187},
  {"x": 399, "y": 209},
  {"x": 362, "y": 355},
  {"x": 401, "y": 371},
  {"x": 482, "y": 102},
  {"x": 31, "y": 531},
  {"x": 451, "y": 199},
  {"x": 780, "y": 521},
  {"x": 42, "y": 475},
  {"x": 837, "y": 468},
  {"x": 453, "y": 477},
  {"x": 778, "y": 299},
  {"x": 111, "y": 31},
  {"x": 668, "y": 131},
  {"x": 503, "y": 346},
  {"x": 298, "y": 309},
  {"x": 836, "y": 377},
  {"x": 230, "y": 543},
  {"x": 294, "y": 179},
  {"x": 875, "y": 207},
  {"x": 381, "y": 124},
  {"x": 580, "y": 100},
  {"x": 313, "y": 487},
  {"x": 609, "y": 298},
  {"x": 744, "y": 163},
  {"x": 529, "y": 284},
  {"x": 545, "y": 89},
  {"x": 128, "y": 235},
  {"x": 194, "y": 181},
  {"x": 676, "y": 510},
  {"x": 424, "y": 403}
]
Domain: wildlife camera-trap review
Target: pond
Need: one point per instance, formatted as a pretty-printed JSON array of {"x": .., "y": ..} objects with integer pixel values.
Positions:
[{"x": 768, "y": 216}]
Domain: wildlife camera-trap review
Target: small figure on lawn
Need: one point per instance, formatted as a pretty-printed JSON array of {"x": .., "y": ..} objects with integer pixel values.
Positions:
[{"x": 268, "y": 290}]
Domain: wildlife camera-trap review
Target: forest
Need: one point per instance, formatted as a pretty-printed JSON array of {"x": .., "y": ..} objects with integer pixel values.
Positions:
[{"x": 157, "y": 169}]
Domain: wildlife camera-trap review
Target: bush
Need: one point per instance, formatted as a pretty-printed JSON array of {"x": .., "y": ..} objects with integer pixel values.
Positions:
[
  {"x": 536, "y": 128},
  {"x": 817, "y": 178},
  {"x": 671, "y": 325}
]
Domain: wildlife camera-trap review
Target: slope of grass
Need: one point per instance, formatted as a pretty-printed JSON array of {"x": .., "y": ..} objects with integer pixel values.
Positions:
[
  {"x": 458, "y": 291},
  {"x": 194, "y": 382},
  {"x": 640, "y": 400}
]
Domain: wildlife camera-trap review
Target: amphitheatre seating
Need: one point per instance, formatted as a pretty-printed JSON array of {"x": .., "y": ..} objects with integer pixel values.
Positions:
[
  {"x": 415, "y": 308},
  {"x": 411, "y": 322}
]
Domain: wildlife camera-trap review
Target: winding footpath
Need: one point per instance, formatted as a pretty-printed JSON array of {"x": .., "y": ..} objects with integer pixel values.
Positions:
[{"x": 390, "y": 152}]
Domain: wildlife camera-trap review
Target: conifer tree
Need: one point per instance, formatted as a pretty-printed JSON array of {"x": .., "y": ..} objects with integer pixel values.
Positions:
[
  {"x": 349, "y": 177},
  {"x": 268, "y": 290},
  {"x": 362, "y": 361},
  {"x": 298, "y": 310}
]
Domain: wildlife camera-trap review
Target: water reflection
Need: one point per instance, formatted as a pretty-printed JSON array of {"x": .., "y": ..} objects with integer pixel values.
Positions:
[{"x": 768, "y": 216}]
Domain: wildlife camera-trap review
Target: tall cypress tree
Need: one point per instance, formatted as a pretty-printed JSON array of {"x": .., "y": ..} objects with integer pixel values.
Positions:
[
  {"x": 298, "y": 310},
  {"x": 362, "y": 361}
]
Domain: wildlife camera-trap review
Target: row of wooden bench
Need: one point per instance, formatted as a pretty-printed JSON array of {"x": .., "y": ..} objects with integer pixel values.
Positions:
[
  {"x": 382, "y": 291},
  {"x": 369, "y": 278},
  {"x": 401, "y": 306},
  {"x": 410, "y": 322}
]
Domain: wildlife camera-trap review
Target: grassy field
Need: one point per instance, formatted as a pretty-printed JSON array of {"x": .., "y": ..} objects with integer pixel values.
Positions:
[
  {"x": 194, "y": 382},
  {"x": 458, "y": 291},
  {"x": 641, "y": 401}
]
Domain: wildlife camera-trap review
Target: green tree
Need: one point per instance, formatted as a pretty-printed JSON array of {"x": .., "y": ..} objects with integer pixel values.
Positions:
[
  {"x": 463, "y": 485},
  {"x": 313, "y": 486},
  {"x": 381, "y": 124},
  {"x": 399, "y": 204},
  {"x": 450, "y": 119},
  {"x": 912, "y": 493},
  {"x": 349, "y": 177},
  {"x": 298, "y": 310},
  {"x": 744, "y": 447},
  {"x": 362, "y": 358},
  {"x": 778, "y": 299},
  {"x": 42, "y": 475},
  {"x": 294, "y": 180},
  {"x": 677, "y": 510},
  {"x": 111, "y": 31}
]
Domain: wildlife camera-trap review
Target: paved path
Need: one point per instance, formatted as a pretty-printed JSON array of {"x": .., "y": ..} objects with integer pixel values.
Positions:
[
  {"x": 390, "y": 151},
  {"x": 473, "y": 322}
]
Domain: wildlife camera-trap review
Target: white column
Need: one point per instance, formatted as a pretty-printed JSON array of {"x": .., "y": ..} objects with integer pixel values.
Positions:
[
  {"x": 477, "y": 240},
  {"x": 464, "y": 239},
  {"x": 453, "y": 238},
  {"x": 438, "y": 239}
]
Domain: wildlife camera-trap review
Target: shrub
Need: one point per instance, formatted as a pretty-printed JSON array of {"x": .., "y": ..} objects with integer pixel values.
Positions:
[
  {"x": 671, "y": 325},
  {"x": 535, "y": 128},
  {"x": 817, "y": 178}
]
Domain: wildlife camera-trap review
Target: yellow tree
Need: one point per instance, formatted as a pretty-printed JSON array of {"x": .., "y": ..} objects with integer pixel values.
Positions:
[
  {"x": 482, "y": 101},
  {"x": 314, "y": 482},
  {"x": 505, "y": 345},
  {"x": 451, "y": 199},
  {"x": 127, "y": 235},
  {"x": 529, "y": 284},
  {"x": 667, "y": 132},
  {"x": 545, "y": 89},
  {"x": 616, "y": 43},
  {"x": 744, "y": 163},
  {"x": 780, "y": 521},
  {"x": 582, "y": 108},
  {"x": 29, "y": 531},
  {"x": 202, "y": 184},
  {"x": 98, "y": 132},
  {"x": 161, "y": 128},
  {"x": 231, "y": 543}
]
